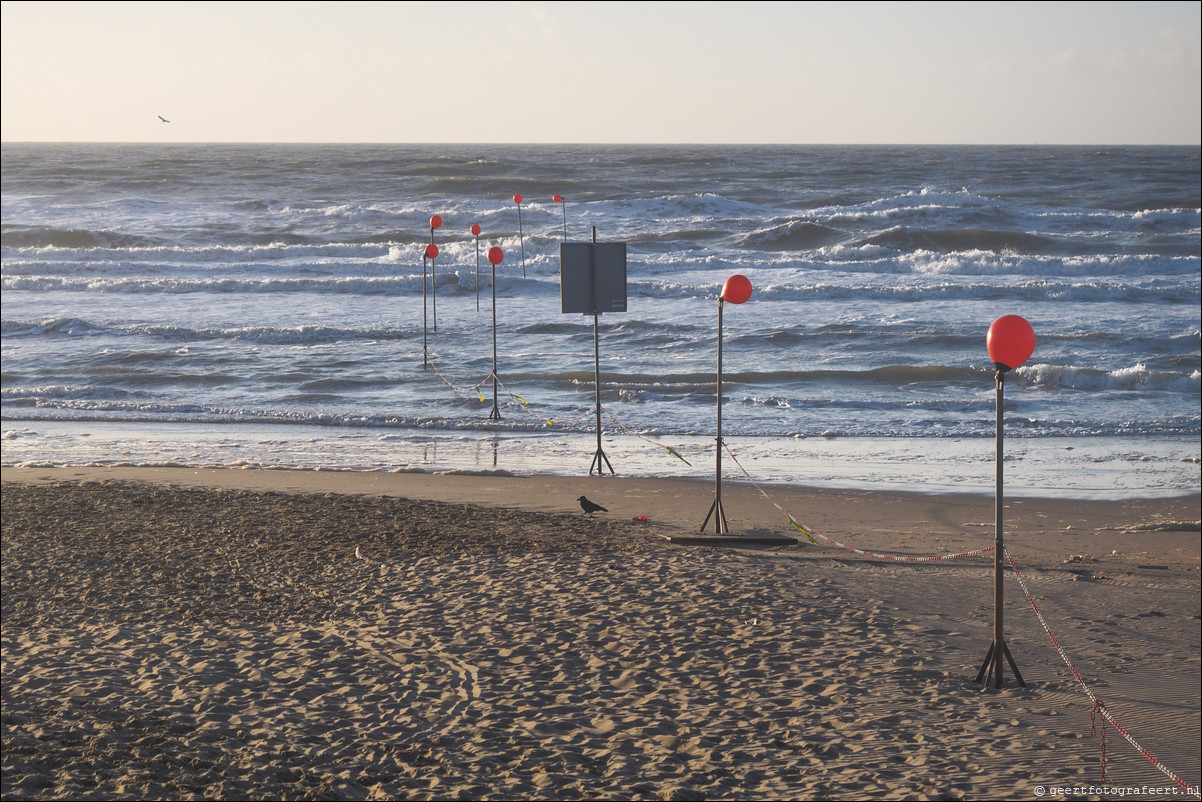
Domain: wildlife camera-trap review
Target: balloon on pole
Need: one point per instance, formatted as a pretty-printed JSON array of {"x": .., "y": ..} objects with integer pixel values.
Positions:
[
  {"x": 518, "y": 200},
  {"x": 435, "y": 222},
  {"x": 736, "y": 290},
  {"x": 564, "y": 207},
  {"x": 425, "y": 308},
  {"x": 432, "y": 254},
  {"x": 495, "y": 255},
  {"x": 1010, "y": 342}
]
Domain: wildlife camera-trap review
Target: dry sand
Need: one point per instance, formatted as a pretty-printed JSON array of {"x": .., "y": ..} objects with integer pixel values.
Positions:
[{"x": 180, "y": 633}]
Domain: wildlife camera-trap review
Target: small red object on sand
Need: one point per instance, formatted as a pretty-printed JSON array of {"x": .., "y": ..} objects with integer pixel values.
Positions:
[{"x": 639, "y": 518}]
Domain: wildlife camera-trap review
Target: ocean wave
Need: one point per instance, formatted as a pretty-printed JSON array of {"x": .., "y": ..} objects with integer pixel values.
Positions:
[
  {"x": 70, "y": 327},
  {"x": 1092, "y": 266},
  {"x": 274, "y": 335},
  {"x": 23, "y": 237},
  {"x": 217, "y": 256},
  {"x": 669, "y": 383},
  {"x": 340, "y": 286},
  {"x": 1167, "y": 292},
  {"x": 963, "y": 239},
  {"x": 802, "y": 418},
  {"x": 1135, "y": 377},
  {"x": 793, "y": 235},
  {"x": 51, "y": 394},
  {"x": 99, "y": 411}
]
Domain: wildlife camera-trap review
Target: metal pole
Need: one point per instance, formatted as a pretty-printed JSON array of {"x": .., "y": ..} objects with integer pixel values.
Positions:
[
  {"x": 718, "y": 441},
  {"x": 597, "y": 377},
  {"x": 496, "y": 410},
  {"x": 599, "y": 457},
  {"x": 425, "y": 359},
  {"x": 993, "y": 659},
  {"x": 522, "y": 240},
  {"x": 433, "y": 285},
  {"x": 998, "y": 542},
  {"x": 720, "y": 526}
]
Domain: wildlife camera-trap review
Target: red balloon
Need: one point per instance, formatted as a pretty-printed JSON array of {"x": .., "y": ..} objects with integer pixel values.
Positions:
[
  {"x": 432, "y": 251},
  {"x": 1010, "y": 341},
  {"x": 495, "y": 255},
  {"x": 558, "y": 199},
  {"x": 517, "y": 198},
  {"x": 475, "y": 229},
  {"x": 737, "y": 289},
  {"x": 435, "y": 221}
]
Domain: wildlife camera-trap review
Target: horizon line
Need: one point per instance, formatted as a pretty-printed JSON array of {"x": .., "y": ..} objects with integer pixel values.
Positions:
[{"x": 611, "y": 144}]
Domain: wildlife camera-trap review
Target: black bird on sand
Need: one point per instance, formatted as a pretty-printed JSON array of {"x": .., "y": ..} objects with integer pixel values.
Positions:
[{"x": 590, "y": 507}]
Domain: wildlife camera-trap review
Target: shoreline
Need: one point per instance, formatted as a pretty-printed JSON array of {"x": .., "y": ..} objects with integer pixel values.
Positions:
[
  {"x": 259, "y": 634},
  {"x": 878, "y": 520},
  {"x": 1100, "y": 468}
]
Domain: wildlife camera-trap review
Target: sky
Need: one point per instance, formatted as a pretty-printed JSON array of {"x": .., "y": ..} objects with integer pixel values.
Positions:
[{"x": 1107, "y": 73}]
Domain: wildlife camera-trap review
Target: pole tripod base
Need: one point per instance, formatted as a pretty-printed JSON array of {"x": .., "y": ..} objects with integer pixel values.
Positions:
[
  {"x": 992, "y": 667},
  {"x": 496, "y": 406},
  {"x": 598, "y": 458},
  {"x": 720, "y": 526}
]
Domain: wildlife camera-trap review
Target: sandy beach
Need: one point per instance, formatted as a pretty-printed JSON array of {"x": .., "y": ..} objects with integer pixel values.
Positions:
[{"x": 258, "y": 634}]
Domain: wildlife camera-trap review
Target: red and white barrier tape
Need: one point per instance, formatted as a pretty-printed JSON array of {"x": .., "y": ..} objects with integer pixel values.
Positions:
[
  {"x": 674, "y": 452},
  {"x": 811, "y": 533},
  {"x": 475, "y": 386},
  {"x": 1099, "y": 707}
]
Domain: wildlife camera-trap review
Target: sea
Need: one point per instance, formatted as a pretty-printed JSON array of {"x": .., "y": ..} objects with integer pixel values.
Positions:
[{"x": 268, "y": 306}]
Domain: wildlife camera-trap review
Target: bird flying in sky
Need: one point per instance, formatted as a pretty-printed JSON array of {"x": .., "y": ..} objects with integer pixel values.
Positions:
[{"x": 164, "y": 119}]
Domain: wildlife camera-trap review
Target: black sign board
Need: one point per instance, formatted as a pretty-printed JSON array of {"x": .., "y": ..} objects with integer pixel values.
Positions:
[{"x": 592, "y": 277}]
